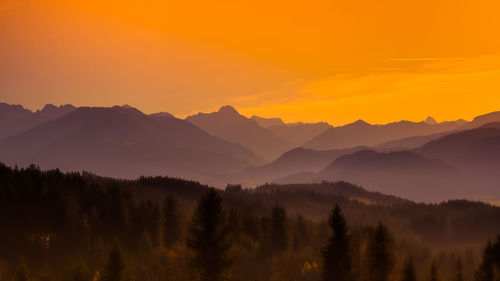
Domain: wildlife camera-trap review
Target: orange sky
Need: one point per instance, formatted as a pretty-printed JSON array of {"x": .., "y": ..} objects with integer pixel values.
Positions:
[{"x": 315, "y": 60}]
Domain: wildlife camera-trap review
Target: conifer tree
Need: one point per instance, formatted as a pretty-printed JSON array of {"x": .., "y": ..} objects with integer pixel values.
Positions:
[
  {"x": 459, "y": 270},
  {"x": 171, "y": 222},
  {"x": 279, "y": 239},
  {"x": 337, "y": 254},
  {"x": 409, "y": 273},
  {"x": 379, "y": 255},
  {"x": 146, "y": 245},
  {"x": 434, "y": 273},
  {"x": 115, "y": 266},
  {"x": 208, "y": 239},
  {"x": 486, "y": 270},
  {"x": 155, "y": 227}
]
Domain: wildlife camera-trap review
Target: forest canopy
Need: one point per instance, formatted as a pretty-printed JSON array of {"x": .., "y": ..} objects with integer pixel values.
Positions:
[{"x": 78, "y": 226}]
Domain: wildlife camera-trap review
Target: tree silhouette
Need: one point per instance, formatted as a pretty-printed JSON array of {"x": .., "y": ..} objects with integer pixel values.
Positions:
[
  {"x": 171, "y": 222},
  {"x": 486, "y": 270},
  {"x": 208, "y": 238},
  {"x": 279, "y": 239},
  {"x": 337, "y": 254},
  {"x": 380, "y": 256},
  {"x": 409, "y": 273},
  {"x": 459, "y": 271},
  {"x": 434, "y": 273},
  {"x": 115, "y": 266}
]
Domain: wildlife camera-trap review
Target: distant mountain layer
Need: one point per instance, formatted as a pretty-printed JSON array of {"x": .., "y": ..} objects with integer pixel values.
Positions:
[
  {"x": 482, "y": 120},
  {"x": 422, "y": 161},
  {"x": 490, "y": 119},
  {"x": 124, "y": 142},
  {"x": 362, "y": 133},
  {"x": 411, "y": 142},
  {"x": 404, "y": 173},
  {"x": 294, "y": 161},
  {"x": 295, "y": 133},
  {"x": 330, "y": 189},
  {"x": 228, "y": 124},
  {"x": 463, "y": 164},
  {"x": 15, "y": 119},
  {"x": 476, "y": 150},
  {"x": 268, "y": 122}
]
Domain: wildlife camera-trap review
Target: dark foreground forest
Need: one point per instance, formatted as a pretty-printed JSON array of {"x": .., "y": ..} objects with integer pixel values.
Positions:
[{"x": 58, "y": 226}]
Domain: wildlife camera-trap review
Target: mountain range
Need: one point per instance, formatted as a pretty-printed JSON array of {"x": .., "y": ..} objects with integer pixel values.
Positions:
[
  {"x": 228, "y": 124},
  {"x": 15, "y": 119},
  {"x": 422, "y": 161},
  {"x": 295, "y": 133},
  {"x": 363, "y": 133},
  {"x": 124, "y": 142},
  {"x": 462, "y": 164}
]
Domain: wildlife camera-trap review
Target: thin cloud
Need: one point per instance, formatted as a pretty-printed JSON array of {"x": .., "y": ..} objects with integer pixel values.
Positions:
[{"x": 446, "y": 89}]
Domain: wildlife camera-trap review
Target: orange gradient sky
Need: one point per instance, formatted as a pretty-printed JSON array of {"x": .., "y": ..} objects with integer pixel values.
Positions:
[{"x": 316, "y": 60}]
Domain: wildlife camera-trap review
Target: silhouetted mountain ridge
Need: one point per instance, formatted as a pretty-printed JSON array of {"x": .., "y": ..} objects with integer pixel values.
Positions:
[
  {"x": 15, "y": 119},
  {"x": 124, "y": 142},
  {"x": 294, "y": 161},
  {"x": 228, "y": 124},
  {"x": 362, "y": 133}
]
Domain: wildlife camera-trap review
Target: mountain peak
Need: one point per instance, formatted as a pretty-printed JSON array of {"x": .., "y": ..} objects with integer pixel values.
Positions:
[
  {"x": 430, "y": 121},
  {"x": 228, "y": 110},
  {"x": 50, "y": 108},
  {"x": 359, "y": 122},
  {"x": 162, "y": 114}
]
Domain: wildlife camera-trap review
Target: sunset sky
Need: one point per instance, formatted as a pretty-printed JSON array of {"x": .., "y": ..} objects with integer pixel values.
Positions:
[{"x": 315, "y": 60}]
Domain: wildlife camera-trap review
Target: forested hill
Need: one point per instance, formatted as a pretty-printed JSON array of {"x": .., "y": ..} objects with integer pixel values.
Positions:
[{"x": 65, "y": 222}]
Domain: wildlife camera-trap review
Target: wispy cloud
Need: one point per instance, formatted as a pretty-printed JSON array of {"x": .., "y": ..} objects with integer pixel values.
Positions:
[
  {"x": 445, "y": 88},
  {"x": 418, "y": 59}
]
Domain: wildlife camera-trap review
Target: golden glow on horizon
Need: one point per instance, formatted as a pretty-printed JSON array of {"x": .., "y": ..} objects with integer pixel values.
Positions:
[{"x": 334, "y": 61}]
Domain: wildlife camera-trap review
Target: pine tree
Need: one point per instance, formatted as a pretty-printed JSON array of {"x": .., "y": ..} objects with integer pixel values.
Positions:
[
  {"x": 145, "y": 245},
  {"x": 486, "y": 270},
  {"x": 279, "y": 239},
  {"x": 337, "y": 254},
  {"x": 208, "y": 239},
  {"x": 301, "y": 236},
  {"x": 409, "y": 273},
  {"x": 171, "y": 222},
  {"x": 115, "y": 266},
  {"x": 434, "y": 273},
  {"x": 155, "y": 227},
  {"x": 459, "y": 274},
  {"x": 379, "y": 255}
]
